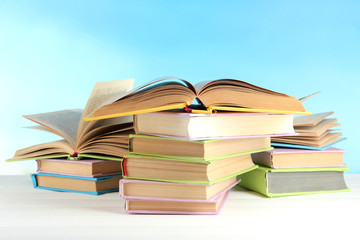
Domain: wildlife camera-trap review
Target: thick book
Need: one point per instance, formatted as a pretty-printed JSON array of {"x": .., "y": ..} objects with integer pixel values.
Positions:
[
  {"x": 218, "y": 95},
  {"x": 201, "y": 149},
  {"x": 84, "y": 167},
  {"x": 77, "y": 184},
  {"x": 299, "y": 158},
  {"x": 151, "y": 206},
  {"x": 95, "y": 139},
  {"x": 154, "y": 190},
  {"x": 191, "y": 171},
  {"x": 314, "y": 132},
  {"x": 295, "y": 181},
  {"x": 189, "y": 126}
]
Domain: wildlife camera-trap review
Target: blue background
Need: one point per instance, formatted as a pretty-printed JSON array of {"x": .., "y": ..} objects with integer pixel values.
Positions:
[{"x": 53, "y": 52}]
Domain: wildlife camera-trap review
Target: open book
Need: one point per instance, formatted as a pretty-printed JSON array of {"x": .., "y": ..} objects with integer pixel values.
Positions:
[
  {"x": 315, "y": 132},
  {"x": 218, "y": 95},
  {"x": 108, "y": 137}
]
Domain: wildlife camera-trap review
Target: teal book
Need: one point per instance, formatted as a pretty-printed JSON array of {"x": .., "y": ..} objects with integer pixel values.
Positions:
[
  {"x": 295, "y": 181},
  {"x": 78, "y": 184}
]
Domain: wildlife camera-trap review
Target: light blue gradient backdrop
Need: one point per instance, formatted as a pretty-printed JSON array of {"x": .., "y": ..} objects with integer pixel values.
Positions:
[{"x": 53, "y": 52}]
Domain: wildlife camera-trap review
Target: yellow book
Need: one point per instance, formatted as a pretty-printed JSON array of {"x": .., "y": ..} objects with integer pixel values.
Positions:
[{"x": 218, "y": 95}]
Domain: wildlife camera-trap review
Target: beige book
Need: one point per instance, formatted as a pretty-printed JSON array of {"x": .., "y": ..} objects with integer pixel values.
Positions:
[{"x": 203, "y": 149}]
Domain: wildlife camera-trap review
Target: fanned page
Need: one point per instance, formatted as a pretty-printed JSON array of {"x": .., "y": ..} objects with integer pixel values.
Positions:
[
  {"x": 102, "y": 93},
  {"x": 63, "y": 123},
  {"x": 229, "y": 94},
  {"x": 312, "y": 120},
  {"x": 44, "y": 150},
  {"x": 161, "y": 94}
]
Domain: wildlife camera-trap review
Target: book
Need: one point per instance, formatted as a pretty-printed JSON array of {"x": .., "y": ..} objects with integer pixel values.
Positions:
[
  {"x": 299, "y": 158},
  {"x": 84, "y": 167},
  {"x": 190, "y": 126},
  {"x": 201, "y": 149},
  {"x": 150, "y": 206},
  {"x": 102, "y": 138},
  {"x": 77, "y": 184},
  {"x": 154, "y": 190},
  {"x": 315, "y": 132},
  {"x": 295, "y": 181},
  {"x": 191, "y": 171},
  {"x": 174, "y": 93}
]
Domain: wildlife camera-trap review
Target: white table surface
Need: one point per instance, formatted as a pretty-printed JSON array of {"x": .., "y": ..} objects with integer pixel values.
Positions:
[{"x": 28, "y": 213}]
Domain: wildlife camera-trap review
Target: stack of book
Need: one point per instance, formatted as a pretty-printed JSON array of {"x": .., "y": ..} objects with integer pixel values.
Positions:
[
  {"x": 184, "y": 163},
  {"x": 305, "y": 164},
  {"x": 84, "y": 176},
  {"x": 204, "y": 149}
]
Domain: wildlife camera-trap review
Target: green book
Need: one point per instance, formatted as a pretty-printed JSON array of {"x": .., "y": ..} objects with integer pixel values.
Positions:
[
  {"x": 295, "y": 181},
  {"x": 146, "y": 167},
  {"x": 200, "y": 150}
]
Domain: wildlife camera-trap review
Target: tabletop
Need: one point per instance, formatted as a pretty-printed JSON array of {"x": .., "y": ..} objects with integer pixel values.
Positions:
[{"x": 28, "y": 213}]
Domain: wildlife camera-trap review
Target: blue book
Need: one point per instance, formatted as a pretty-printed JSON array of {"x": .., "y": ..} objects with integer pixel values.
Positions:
[
  {"x": 289, "y": 145},
  {"x": 77, "y": 184}
]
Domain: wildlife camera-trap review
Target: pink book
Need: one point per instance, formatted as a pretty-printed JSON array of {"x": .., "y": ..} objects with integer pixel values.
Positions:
[
  {"x": 148, "y": 206},
  {"x": 80, "y": 168},
  {"x": 163, "y": 188}
]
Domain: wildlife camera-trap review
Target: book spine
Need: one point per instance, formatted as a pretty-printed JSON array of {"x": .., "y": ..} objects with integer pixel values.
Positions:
[{"x": 124, "y": 167}]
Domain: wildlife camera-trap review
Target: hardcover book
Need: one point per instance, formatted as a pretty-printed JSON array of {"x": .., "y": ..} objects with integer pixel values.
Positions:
[
  {"x": 154, "y": 190},
  {"x": 298, "y": 158},
  {"x": 191, "y": 171},
  {"x": 148, "y": 206},
  {"x": 77, "y": 184},
  {"x": 84, "y": 167},
  {"x": 189, "y": 126},
  {"x": 201, "y": 149},
  {"x": 295, "y": 181}
]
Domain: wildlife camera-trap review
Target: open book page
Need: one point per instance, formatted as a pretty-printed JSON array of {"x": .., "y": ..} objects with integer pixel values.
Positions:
[
  {"x": 100, "y": 131},
  {"x": 150, "y": 85},
  {"x": 156, "y": 95},
  {"x": 104, "y": 92},
  {"x": 303, "y": 99},
  {"x": 233, "y": 83},
  {"x": 41, "y": 128},
  {"x": 63, "y": 123},
  {"x": 311, "y": 120},
  {"x": 60, "y": 147}
]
